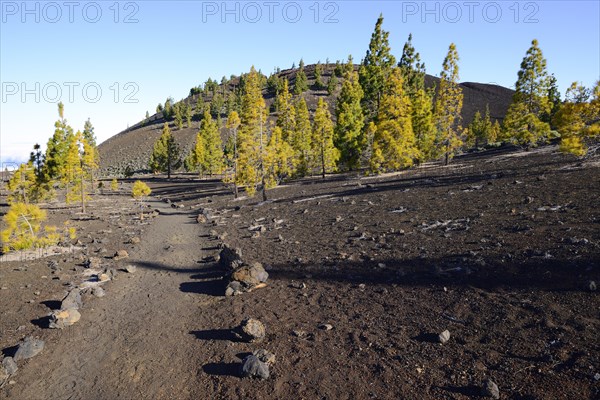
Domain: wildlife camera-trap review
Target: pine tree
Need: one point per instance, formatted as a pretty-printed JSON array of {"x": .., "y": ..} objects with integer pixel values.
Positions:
[
  {"x": 523, "y": 124},
  {"x": 413, "y": 70},
  {"x": 23, "y": 185},
  {"x": 37, "y": 161},
  {"x": 286, "y": 118},
  {"x": 349, "y": 122},
  {"x": 147, "y": 116},
  {"x": 213, "y": 147},
  {"x": 301, "y": 83},
  {"x": 165, "y": 155},
  {"x": 422, "y": 124},
  {"x": 91, "y": 157},
  {"x": 139, "y": 191},
  {"x": 216, "y": 105},
  {"x": 375, "y": 69},
  {"x": 325, "y": 152},
  {"x": 233, "y": 123},
  {"x": 448, "y": 106},
  {"x": 319, "y": 76},
  {"x": 301, "y": 142},
  {"x": 332, "y": 84},
  {"x": 578, "y": 118},
  {"x": 22, "y": 225},
  {"x": 251, "y": 135},
  {"x": 394, "y": 145},
  {"x": 57, "y": 147},
  {"x": 553, "y": 98},
  {"x": 194, "y": 162},
  {"x": 178, "y": 111},
  {"x": 168, "y": 110},
  {"x": 278, "y": 159}
]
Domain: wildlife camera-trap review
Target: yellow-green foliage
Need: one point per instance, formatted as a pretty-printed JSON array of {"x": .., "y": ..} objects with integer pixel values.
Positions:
[
  {"x": 140, "y": 190},
  {"x": 325, "y": 153},
  {"x": 394, "y": 145},
  {"x": 114, "y": 185},
  {"x": 251, "y": 136},
  {"x": 278, "y": 160},
  {"x": 23, "y": 225},
  {"x": 578, "y": 119},
  {"x": 448, "y": 106},
  {"x": 23, "y": 185}
]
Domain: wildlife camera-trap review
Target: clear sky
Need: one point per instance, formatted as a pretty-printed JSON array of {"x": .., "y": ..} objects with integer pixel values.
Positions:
[{"x": 113, "y": 61}]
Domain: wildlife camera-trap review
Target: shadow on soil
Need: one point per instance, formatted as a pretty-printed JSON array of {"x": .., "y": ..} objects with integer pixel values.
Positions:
[
  {"x": 223, "y": 369},
  {"x": 209, "y": 280},
  {"x": 215, "y": 334}
]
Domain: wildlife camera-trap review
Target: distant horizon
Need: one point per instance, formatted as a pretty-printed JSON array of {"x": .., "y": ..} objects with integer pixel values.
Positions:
[{"x": 112, "y": 64}]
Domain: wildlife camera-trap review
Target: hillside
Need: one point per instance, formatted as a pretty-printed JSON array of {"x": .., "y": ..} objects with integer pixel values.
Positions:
[{"x": 133, "y": 146}]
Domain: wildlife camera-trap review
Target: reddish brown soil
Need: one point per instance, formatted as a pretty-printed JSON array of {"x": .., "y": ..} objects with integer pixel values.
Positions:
[{"x": 389, "y": 262}]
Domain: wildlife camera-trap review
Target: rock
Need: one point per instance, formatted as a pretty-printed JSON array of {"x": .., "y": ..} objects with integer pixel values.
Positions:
[
  {"x": 72, "y": 300},
  {"x": 250, "y": 275},
  {"x": 130, "y": 268},
  {"x": 93, "y": 262},
  {"x": 234, "y": 288},
  {"x": 250, "y": 330},
  {"x": 98, "y": 291},
  {"x": 444, "y": 336},
  {"x": 592, "y": 286},
  {"x": 135, "y": 240},
  {"x": 10, "y": 366},
  {"x": 490, "y": 389},
  {"x": 60, "y": 319},
  {"x": 3, "y": 375},
  {"x": 299, "y": 333},
  {"x": 120, "y": 254},
  {"x": 201, "y": 219},
  {"x": 265, "y": 356},
  {"x": 326, "y": 327},
  {"x": 230, "y": 258},
  {"x": 253, "y": 367},
  {"x": 29, "y": 347}
]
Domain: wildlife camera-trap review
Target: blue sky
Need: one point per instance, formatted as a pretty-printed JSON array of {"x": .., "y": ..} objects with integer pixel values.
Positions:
[{"x": 112, "y": 61}]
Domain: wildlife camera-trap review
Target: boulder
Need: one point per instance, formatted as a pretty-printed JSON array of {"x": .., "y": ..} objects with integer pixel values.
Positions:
[
  {"x": 60, "y": 319},
  {"x": 28, "y": 348},
  {"x": 230, "y": 258},
  {"x": 72, "y": 300},
  {"x": 253, "y": 367},
  {"x": 250, "y": 330},
  {"x": 265, "y": 356}
]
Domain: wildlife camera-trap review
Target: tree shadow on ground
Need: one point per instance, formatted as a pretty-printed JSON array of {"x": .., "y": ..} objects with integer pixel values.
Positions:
[
  {"x": 216, "y": 334},
  {"x": 223, "y": 369},
  {"x": 551, "y": 275},
  {"x": 210, "y": 288},
  {"x": 470, "y": 390},
  {"x": 43, "y": 322}
]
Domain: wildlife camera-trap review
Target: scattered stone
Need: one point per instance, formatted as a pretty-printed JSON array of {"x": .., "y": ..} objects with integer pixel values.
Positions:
[
  {"x": 444, "y": 336},
  {"x": 201, "y": 219},
  {"x": 234, "y": 288},
  {"x": 120, "y": 254},
  {"x": 326, "y": 327},
  {"x": 299, "y": 333},
  {"x": 592, "y": 286},
  {"x": 597, "y": 376},
  {"x": 93, "y": 262},
  {"x": 250, "y": 330},
  {"x": 10, "y": 366},
  {"x": 230, "y": 258},
  {"x": 528, "y": 200},
  {"x": 253, "y": 367},
  {"x": 298, "y": 285},
  {"x": 36, "y": 293},
  {"x": 265, "y": 356},
  {"x": 135, "y": 240},
  {"x": 130, "y": 269},
  {"x": 490, "y": 389},
  {"x": 250, "y": 276},
  {"x": 72, "y": 300},
  {"x": 29, "y": 347},
  {"x": 98, "y": 291},
  {"x": 60, "y": 319}
]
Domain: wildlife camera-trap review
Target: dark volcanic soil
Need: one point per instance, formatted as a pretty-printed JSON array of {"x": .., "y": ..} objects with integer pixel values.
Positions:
[{"x": 499, "y": 248}]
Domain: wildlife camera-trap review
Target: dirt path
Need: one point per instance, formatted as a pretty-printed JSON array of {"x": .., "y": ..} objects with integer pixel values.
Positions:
[{"x": 135, "y": 342}]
